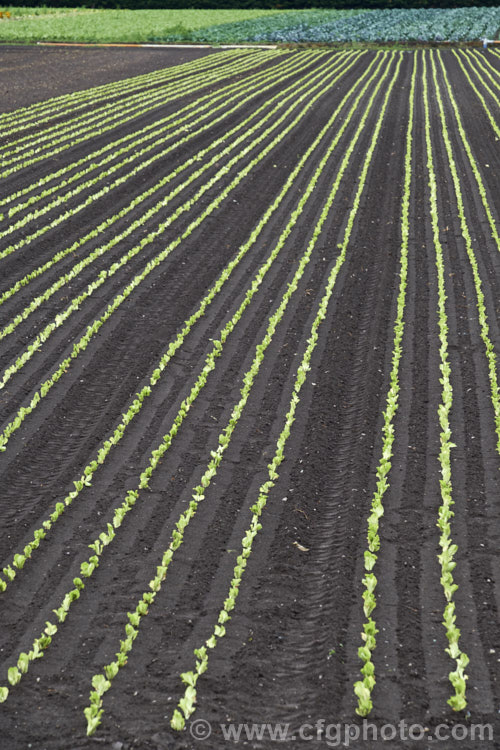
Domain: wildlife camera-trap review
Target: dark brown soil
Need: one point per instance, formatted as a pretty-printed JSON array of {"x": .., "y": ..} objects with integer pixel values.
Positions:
[
  {"x": 290, "y": 653},
  {"x": 32, "y": 74}
]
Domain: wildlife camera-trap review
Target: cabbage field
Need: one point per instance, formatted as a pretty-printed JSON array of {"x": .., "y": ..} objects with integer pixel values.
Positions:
[
  {"x": 250, "y": 401},
  {"x": 325, "y": 26}
]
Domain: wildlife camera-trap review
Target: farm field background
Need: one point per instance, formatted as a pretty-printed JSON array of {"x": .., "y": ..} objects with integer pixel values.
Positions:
[
  {"x": 92, "y": 24},
  {"x": 249, "y": 400},
  {"x": 249, "y": 26}
]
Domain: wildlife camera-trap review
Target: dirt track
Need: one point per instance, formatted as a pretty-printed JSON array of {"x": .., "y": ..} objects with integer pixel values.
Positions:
[{"x": 290, "y": 652}]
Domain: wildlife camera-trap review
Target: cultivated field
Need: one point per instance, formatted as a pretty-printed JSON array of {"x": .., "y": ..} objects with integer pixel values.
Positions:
[
  {"x": 97, "y": 24},
  {"x": 249, "y": 400},
  {"x": 19, "y": 25}
]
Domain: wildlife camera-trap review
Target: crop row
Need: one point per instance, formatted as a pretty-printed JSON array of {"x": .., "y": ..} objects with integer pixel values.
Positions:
[
  {"x": 448, "y": 549},
  {"x": 201, "y": 184},
  {"x": 490, "y": 353},
  {"x": 311, "y": 93},
  {"x": 116, "y": 146},
  {"x": 107, "y": 536},
  {"x": 255, "y": 86},
  {"x": 349, "y": 116},
  {"x": 484, "y": 69},
  {"x": 186, "y": 704},
  {"x": 156, "y": 133},
  {"x": 363, "y": 688},
  {"x": 84, "y": 480},
  {"x": 250, "y": 89},
  {"x": 61, "y": 137},
  {"x": 487, "y": 108},
  {"x": 56, "y": 107},
  {"x": 102, "y": 682}
]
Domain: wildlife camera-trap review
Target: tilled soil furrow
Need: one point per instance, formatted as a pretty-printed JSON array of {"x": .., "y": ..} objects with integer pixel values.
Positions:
[{"x": 408, "y": 483}]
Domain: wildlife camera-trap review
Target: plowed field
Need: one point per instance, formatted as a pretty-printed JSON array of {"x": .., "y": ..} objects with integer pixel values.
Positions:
[{"x": 250, "y": 402}]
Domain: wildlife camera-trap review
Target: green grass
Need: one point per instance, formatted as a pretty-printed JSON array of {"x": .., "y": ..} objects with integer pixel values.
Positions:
[{"x": 87, "y": 25}]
